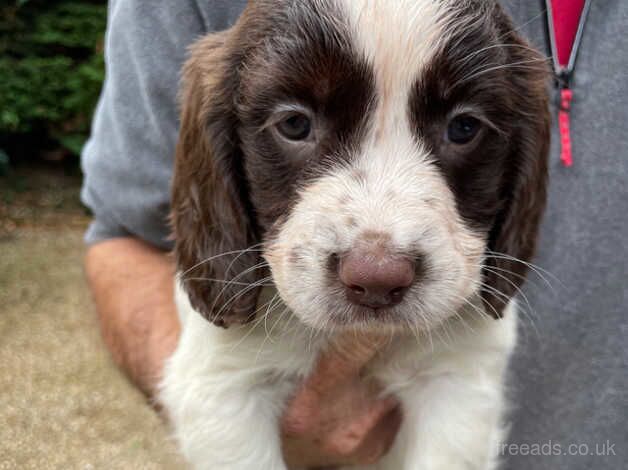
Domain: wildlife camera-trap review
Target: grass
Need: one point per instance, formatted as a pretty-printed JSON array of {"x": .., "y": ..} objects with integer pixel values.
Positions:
[{"x": 63, "y": 404}]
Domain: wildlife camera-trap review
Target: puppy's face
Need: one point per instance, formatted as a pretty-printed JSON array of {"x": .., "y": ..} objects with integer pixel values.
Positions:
[{"x": 377, "y": 156}]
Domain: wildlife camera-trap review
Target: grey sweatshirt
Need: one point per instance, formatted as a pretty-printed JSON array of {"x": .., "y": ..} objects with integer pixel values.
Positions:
[{"x": 569, "y": 384}]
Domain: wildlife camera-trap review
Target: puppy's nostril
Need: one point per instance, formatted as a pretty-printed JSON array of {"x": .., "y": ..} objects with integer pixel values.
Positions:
[
  {"x": 358, "y": 290},
  {"x": 398, "y": 292}
]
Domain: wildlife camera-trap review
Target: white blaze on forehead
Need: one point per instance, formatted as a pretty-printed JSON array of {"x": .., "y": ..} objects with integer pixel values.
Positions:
[{"x": 398, "y": 38}]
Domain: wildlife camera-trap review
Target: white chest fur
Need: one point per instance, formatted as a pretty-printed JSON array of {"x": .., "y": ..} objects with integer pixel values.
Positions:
[{"x": 225, "y": 390}]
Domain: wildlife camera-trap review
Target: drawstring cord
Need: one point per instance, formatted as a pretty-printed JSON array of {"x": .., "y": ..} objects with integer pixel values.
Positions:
[
  {"x": 564, "y": 73},
  {"x": 566, "y": 95}
]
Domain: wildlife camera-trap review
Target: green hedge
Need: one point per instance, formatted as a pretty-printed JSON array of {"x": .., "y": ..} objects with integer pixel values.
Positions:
[{"x": 51, "y": 71}]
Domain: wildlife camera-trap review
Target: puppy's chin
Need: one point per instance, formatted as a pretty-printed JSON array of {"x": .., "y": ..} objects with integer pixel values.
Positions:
[{"x": 362, "y": 318}]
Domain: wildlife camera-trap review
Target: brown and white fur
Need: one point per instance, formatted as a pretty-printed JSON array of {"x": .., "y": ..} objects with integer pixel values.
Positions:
[{"x": 261, "y": 221}]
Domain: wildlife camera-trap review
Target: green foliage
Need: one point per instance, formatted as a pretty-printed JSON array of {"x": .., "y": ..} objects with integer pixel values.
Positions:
[{"x": 51, "y": 70}]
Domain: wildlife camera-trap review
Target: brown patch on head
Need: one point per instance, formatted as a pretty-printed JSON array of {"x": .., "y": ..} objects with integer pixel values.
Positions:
[
  {"x": 233, "y": 181},
  {"x": 499, "y": 181},
  {"x": 314, "y": 66}
]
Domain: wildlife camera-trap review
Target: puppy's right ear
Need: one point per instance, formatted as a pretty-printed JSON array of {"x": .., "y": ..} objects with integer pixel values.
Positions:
[{"x": 212, "y": 222}]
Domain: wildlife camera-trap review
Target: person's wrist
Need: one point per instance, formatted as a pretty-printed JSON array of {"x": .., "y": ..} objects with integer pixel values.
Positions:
[{"x": 133, "y": 289}]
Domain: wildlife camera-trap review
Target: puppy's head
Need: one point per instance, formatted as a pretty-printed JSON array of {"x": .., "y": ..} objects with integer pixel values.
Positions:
[{"x": 387, "y": 162}]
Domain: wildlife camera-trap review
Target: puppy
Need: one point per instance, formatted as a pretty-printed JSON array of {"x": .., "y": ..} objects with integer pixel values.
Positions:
[{"x": 364, "y": 165}]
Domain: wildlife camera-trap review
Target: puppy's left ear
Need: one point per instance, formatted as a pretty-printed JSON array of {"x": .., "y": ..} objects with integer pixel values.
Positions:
[
  {"x": 213, "y": 223},
  {"x": 513, "y": 238}
]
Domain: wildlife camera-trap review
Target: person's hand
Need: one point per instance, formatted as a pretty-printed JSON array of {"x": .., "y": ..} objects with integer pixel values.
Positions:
[
  {"x": 336, "y": 417},
  {"x": 133, "y": 288}
]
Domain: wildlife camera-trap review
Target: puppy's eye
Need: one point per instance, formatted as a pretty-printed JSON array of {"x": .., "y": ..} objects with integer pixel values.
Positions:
[
  {"x": 295, "y": 127},
  {"x": 462, "y": 129}
]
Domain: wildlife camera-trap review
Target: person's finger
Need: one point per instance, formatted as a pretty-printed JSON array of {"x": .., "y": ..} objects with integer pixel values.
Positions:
[
  {"x": 381, "y": 438},
  {"x": 345, "y": 441}
]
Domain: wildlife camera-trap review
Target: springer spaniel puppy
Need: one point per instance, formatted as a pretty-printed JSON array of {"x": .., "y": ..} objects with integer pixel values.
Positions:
[{"x": 365, "y": 165}]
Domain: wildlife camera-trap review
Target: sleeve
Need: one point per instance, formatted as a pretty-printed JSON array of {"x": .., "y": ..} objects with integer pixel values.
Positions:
[{"x": 127, "y": 162}]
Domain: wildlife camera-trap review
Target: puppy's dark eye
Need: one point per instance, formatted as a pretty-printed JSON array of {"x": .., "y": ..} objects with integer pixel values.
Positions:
[
  {"x": 296, "y": 127},
  {"x": 463, "y": 129}
]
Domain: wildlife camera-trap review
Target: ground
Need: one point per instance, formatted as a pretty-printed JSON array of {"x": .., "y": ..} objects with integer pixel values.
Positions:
[{"x": 63, "y": 403}]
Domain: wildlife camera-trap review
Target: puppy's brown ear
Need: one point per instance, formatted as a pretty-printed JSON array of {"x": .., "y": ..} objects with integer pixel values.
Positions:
[
  {"x": 513, "y": 238},
  {"x": 213, "y": 225}
]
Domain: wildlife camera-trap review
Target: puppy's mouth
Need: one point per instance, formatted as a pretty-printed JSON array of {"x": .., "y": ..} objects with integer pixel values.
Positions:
[
  {"x": 367, "y": 316},
  {"x": 370, "y": 314}
]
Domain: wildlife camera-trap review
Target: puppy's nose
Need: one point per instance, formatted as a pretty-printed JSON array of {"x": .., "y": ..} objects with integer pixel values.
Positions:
[{"x": 375, "y": 279}]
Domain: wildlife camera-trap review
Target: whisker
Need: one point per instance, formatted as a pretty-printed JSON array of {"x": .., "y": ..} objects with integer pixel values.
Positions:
[
  {"x": 252, "y": 326},
  {"x": 526, "y": 279},
  {"x": 528, "y": 312},
  {"x": 475, "y": 309},
  {"x": 237, "y": 295},
  {"x": 260, "y": 265},
  {"x": 283, "y": 313},
  {"x": 517, "y": 288},
  {"x": 494, "y": 67},
  {"x": 221, "y": 281},
  {"x": 251, "y": 248},
  {"x": 495, "y": 46},
  {"x": 270, "y": 308},
  {"x": 536, "y": 268},
  {"x": 267, "y": 334},
  {"x": 233, "y": 261},
  {"x": 523, "y": 25}
]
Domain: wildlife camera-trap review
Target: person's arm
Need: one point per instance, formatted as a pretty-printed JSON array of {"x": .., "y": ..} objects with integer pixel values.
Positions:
[{"x": 132, "y": 286}]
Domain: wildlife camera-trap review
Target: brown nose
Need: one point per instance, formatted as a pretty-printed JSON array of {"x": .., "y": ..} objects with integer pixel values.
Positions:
[{"x": 374, "y": 279}]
